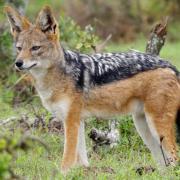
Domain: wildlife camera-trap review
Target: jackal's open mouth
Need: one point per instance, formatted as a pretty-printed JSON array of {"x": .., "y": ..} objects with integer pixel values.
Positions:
[
  {"x": 31, "y": 66},
  {"x": 26, "y": 68}
]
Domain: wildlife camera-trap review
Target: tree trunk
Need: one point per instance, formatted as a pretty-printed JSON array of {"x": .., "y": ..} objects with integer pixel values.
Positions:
[{"x": 157, "y": 38}]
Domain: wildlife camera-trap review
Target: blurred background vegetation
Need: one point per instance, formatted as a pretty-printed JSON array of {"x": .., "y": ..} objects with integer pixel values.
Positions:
[{"x": 83, "y": 25}]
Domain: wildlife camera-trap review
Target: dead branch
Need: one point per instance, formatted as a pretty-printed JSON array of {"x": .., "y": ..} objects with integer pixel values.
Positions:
[
  {"x": 145, "y": 170},
  {"x": 26, "y": 123},
  {"x": 7, "y": 121},
  {"x": 55, "y": 126},
  {"x": 100, "y": 47},
  {"x": 108, "y": 137},
  {"x": 157, "y": 38}
]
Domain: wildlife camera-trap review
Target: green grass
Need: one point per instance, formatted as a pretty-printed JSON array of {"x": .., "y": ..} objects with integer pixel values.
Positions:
[{"x": 117, "y": 163}]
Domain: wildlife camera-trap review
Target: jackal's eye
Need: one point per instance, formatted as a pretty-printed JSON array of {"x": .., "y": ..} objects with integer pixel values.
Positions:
[
  {"x": 19, "y": 48},
  {"x": 35, "y": 48}
]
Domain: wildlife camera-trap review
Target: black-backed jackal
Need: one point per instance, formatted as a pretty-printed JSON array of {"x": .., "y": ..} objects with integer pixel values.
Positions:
[{"x": 74, "y": 86}]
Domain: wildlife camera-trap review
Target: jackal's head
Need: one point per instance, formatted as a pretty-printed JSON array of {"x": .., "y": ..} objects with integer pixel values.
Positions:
[{"x": 37, "y": 44}]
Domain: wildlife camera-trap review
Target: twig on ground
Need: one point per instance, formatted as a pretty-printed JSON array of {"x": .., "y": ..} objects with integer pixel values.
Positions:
[
  {"x": 145, "y": 170},
  {"x": 26, "y": 123},
  {"x": 108, "y": 137},
  {"x": 55, "y": 126},
  {"x": 4, "y": 122}
]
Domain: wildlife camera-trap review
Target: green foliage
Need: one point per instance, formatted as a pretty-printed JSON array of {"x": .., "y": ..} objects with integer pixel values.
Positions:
[
  {"x": 173, "y": 29},
  {"x": 5, "y": 161},
  {"x": 5, "y": 49},
  {"x": 77, "y": 38},
  {"x": 154, "y": 8},
  {"x": 8, "y": 150},
  {"x": 10, "y": 145}
]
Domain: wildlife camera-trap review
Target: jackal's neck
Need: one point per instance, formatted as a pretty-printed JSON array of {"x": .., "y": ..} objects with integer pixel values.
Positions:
[
  {"x": 57, "y": 66},
  {"x": 52, "y": 82},
  {"x": 38, "y": 74},
  {"x": 48, "y": 77}
]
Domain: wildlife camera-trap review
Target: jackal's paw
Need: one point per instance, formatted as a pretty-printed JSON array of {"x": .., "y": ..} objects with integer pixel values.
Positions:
[
  {"x": 83, "y": 163},
  {"x": 66, "y": 166},
  {"x": 82, "y": 160},
  {"x": 65, "y": 169},
  {"x": 171, "y": 161}
]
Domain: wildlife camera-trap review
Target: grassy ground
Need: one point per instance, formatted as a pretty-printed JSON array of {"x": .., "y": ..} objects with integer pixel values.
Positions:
[{"x": 117, "y": 163}]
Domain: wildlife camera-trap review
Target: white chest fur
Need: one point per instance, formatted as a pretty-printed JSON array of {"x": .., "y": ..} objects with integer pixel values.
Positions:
[{"x": 60, "y": 108}]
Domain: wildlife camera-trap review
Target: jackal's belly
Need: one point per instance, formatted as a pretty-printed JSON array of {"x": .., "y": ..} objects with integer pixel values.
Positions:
[{"x": 109, "y": 112}]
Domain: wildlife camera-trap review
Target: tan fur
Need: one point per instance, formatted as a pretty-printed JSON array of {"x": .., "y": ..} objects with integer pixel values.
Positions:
[
  {"x": 25, "y": 24},
  {"x": 153, "y": 97}
]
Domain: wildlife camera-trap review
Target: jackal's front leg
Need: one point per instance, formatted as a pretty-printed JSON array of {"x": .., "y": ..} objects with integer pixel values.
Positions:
[{"x": 71, "y": 127}]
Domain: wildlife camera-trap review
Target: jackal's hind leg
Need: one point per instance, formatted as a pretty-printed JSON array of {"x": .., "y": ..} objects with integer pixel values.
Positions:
[
  {"x": 162, "y": 129},
  {"x": 145, "y": 133}
]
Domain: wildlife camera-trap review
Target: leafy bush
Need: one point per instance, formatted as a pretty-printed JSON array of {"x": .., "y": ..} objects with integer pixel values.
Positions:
[
  {"x": 9, "y": 146},
  {"x": 73, "y": 36},
  {"x": 5, "y": 49}
]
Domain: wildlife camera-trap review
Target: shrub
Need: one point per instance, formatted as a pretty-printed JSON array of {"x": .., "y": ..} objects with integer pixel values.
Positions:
[{"x": 75, "y": 37}]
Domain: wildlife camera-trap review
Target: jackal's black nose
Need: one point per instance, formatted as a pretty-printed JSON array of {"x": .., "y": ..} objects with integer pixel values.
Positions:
[{"x": 19, "y": 63}]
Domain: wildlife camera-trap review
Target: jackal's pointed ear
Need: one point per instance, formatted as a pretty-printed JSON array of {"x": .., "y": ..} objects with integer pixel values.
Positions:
[
  {"x": 18, "y": 23},
  {"x": 46, "y": 22}
]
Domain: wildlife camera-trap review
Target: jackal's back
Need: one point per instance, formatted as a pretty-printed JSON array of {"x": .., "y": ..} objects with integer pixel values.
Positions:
[{"x": 99, "y": 69}]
